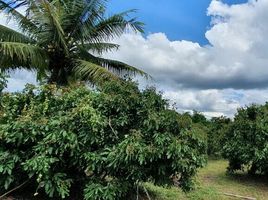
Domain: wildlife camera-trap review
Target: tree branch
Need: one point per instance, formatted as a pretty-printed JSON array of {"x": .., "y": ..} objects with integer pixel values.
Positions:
[
  {"x": 147, "y": 193},
  {"x": 110, "y": 125},
  {"x": 238, "y": 196},
  {"x": 14, "y": 189}
]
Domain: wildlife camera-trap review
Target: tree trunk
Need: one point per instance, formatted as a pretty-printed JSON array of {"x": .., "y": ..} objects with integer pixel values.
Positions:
[{"x": 58, "y": 76}]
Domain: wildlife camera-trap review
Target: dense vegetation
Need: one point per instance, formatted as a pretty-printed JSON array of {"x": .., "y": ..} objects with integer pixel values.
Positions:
[
  {"x": 213, "y": 131},
  {"x": 63, "y": 40},
  {"x": 65, "y": 140},
  {"x": 102, "y": 144},
  {"x": 246, "y": 144},
  {"x": 3, "y": 82},
  {"x": 216, "y": 135}
]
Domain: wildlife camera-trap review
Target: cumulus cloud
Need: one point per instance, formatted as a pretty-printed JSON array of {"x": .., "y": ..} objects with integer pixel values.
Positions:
[
  {"x": 229, "y": 72},
  {"x": 236, "y": 56},
  {"x": 214, "y": 102},
  {"x": 216, "y": 78},
  {"x": 211, "y": 102}
]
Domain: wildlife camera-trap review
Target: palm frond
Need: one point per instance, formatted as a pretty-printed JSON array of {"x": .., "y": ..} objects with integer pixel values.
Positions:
[
  {"x": 100, "y": 47},
  {"x": 55, "y": 23},
  {"x": 111, "y": 27},
  {"x": 121, "y": 68},
  {"x": 10, "y": 35},
  {"x": 47, "y": 17},
  {"x": 24, "y": 23},
  {"x": 88, "y": 71},
  {"x": 114, "y": 66},
  {"x": 81, "y": 11},
  {"x": 17, "y": 3},
  {"x": 23, "y": 55}
]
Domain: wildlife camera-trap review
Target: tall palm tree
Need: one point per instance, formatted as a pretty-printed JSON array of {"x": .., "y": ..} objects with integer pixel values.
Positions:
[{"x": 63, "y": 40}]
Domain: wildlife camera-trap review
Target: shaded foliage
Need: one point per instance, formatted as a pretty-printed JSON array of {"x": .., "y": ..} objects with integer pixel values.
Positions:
[
  {"x": 213, "y": 131},
  {"x": 199, "y": 118},
  {"x": 217, "y": 135},
  {"x": 101, "y": 144}
]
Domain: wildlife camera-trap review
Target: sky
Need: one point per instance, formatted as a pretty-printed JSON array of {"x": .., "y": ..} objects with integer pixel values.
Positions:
[
  {"x": 179, "y": 20},
  {"x": 184, "y": 19},
  {"x": 206, "y": 55}
]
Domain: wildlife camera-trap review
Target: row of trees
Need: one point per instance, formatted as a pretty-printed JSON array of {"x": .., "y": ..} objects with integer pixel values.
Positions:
[{"x": 242, "y": 141}]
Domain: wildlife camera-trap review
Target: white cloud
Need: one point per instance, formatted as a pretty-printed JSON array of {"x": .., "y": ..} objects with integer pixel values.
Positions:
[
  {"x": 215, "y": 102},
  {"x": 216, "y": 78},
  {"x": 230, "y": 72},
  {"x": 19, "y": 78}
]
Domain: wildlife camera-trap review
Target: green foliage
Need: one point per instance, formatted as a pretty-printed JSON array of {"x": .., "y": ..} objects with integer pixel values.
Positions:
[
  {"x": 213, "y": 131},
  {"x": 198, "y": 117},
  {"x": 216, "y": 135},
  {"x": 98, "y": 143},
  {"x": 3, "y": 81},
  {"x": 185, "y": 121},
  {"x": 63, "y": 40},
  {"x": 247, "y": 140},
  {"x": 198, "y": 123}
]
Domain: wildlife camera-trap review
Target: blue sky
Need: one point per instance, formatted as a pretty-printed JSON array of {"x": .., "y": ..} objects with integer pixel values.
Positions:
[{"x": 178, "y": 19}]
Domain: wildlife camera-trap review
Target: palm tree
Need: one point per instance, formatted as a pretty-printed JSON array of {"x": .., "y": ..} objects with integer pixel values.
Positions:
[{"x": 64, "y": 40}]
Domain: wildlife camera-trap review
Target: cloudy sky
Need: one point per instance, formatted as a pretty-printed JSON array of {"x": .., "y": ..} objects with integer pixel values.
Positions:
[{"x": 206, "y": 55}]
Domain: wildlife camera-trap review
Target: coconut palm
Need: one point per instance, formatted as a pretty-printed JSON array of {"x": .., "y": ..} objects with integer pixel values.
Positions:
[{"x": 64, "y": 40}]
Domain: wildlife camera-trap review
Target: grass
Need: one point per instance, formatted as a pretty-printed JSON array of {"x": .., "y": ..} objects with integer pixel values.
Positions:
[{"x": 212, "y": 181}]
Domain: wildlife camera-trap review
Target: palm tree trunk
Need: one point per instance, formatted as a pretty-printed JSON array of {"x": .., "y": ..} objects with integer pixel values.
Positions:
[{"x": 58, "y": 77}]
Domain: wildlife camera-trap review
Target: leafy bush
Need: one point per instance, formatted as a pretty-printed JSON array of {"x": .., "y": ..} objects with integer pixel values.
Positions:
[
  {"x": 247, "y": 140},
  {"x": 98, "y": 143}
]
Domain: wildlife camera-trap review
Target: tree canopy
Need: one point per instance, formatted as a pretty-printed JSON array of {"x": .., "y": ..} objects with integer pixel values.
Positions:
[
  {"x": 100, "y": 144},
  {"x": 246, "y": 145},
  {"x": 63, "y": 40}
]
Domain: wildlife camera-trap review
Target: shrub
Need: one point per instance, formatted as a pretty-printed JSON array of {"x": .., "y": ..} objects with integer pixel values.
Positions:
[
  {"x": 98, "y": 143},
  {"x": 246, "y": 145}
]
